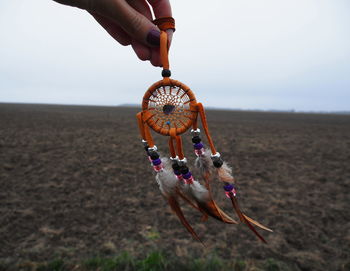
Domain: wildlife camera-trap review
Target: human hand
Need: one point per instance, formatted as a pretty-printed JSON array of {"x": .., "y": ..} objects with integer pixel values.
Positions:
[{"x": 130, "y": 22}]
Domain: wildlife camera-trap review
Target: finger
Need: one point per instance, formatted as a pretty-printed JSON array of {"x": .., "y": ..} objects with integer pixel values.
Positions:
[
  {"x": 113, "y": 29},
  {"x": 142, "y": 51},
  {"x": 142, "y": 7},
  {"x": 162, "y": 8},
  {"x": 155, "y": 57},
  {"x": 132, "y": 22}
]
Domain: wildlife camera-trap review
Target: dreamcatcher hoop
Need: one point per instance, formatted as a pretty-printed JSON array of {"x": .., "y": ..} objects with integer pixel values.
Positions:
[{"x": 169, "y": 107}]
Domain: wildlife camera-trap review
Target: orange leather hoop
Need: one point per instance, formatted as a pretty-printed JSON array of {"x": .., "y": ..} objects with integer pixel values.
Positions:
[
  {"x": 149, "y": 114},
  {"x": 165, "y": 23}
]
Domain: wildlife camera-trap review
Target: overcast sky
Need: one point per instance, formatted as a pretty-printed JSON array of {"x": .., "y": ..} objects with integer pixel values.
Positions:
[{"x": 249, "y": 54}]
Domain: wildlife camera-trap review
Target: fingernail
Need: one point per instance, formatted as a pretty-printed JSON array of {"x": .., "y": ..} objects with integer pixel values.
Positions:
[{"x": 153, "y": 37}]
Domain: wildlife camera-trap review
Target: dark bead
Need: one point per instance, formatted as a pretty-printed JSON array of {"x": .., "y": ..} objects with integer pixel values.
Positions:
[
  {"x": 196, "y": 139},
  {"x": 198, "y": 146},
  {"x": 187, "y": 175},
  {"x": 228, "y": 187},
  {"x": 151, "y": 151},
  {"x": 184, "y": 169},
  {"x": 154, "y": 155},
  {"x": 177, "y": 172},
  {"x": 176, "y": 166},
  {"x": 156, "y": 162},
  {"x": 166, "y": 73},
  {"x": 218, "y": 163}
]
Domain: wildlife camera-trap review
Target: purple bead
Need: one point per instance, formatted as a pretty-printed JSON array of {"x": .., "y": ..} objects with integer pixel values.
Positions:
[
  {"x": 198, "y": 146},
  {"x": 187, "y": 175},
  {"x": 177, "y": 172},
  {"x": 228, "y": 187},
  {"x": 156, "y": 162}
]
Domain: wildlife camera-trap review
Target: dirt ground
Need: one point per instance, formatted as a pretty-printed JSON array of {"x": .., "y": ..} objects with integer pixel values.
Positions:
[{"x": 75, "y": 182}]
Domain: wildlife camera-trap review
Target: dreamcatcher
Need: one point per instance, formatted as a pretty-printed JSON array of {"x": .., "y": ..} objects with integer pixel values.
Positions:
[{"x": 169, "y": 107}]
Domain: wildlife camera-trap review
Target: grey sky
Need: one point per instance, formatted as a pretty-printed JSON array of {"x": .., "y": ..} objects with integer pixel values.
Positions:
[{"x": 248, "y": 54}]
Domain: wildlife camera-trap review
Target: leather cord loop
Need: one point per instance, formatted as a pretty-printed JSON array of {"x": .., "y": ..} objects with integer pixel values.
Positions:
[
  {"x": 164, "y": 50},
  {"x": 165, "y": 23}
]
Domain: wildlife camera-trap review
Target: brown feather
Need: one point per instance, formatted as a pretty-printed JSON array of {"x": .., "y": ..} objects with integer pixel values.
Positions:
[
  {"x": 243, "y": 219},
  {"x": 211, "y": 208},
  {"x": 256, "y": 223},
  {"x": 207, "y": 177},
  {"x": 177, "y": 210},
  {"x": 186, "y": 199},
  {"x": 207, "y": 204}
]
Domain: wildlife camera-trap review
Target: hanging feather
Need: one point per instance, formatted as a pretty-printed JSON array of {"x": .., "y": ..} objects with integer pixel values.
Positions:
[
  {"x": 198, "y": 191},
  {"x": 205, "y": 165},
  {"x": 166, "y": 179},
  {"x": 168, "y": 185},
  {"x": 243, "y": 219},
  {"x": 256, "y": 223},
  {"x": 205, "y": 202},
  {"x": 231, "y": 193},
  {"x": 225, "y": 173},
  {"x": 177, "y": 210}
]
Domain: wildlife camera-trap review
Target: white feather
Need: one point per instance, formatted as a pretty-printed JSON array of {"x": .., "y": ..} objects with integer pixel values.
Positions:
[
  {"x": 227, "y": 168},
  {"x": 225, "y": 173},
  {"x": 195, "y": 191},
  {"x": 204, "y": 163},
  {"x": 166, "y": 179},
  {"x": 199, "y": 192},
  {"x": 185, "y": 189}
]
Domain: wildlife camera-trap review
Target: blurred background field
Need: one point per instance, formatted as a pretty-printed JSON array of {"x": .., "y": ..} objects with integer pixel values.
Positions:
[{"x": 77, "y": 192}]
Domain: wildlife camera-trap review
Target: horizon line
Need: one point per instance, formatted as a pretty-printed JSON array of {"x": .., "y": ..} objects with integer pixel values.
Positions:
[{"x": 133, "y": 105}]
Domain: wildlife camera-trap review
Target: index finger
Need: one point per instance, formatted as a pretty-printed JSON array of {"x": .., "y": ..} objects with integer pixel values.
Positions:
[{"x": 162, "y": 8}]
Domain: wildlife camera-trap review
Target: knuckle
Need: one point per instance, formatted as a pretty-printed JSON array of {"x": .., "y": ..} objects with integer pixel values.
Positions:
[{"x": 135, "y": 24}]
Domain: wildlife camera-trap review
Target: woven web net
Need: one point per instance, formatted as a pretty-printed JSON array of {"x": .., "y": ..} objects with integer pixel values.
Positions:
[{"x": 170, "y": 107}]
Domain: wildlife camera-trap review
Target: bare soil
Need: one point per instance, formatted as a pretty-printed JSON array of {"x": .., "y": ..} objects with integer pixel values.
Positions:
[{"x": 75, "y": 182}]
